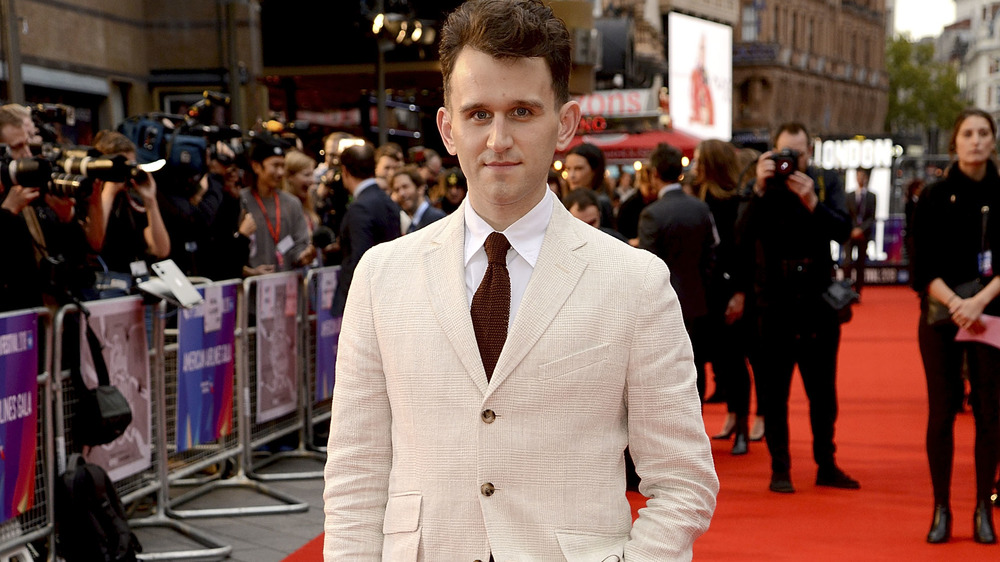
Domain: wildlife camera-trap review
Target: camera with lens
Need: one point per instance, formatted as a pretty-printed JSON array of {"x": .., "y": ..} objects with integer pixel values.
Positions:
[
  {"x": 786, "y": 162},
  {"x": 67, "y": 173}
]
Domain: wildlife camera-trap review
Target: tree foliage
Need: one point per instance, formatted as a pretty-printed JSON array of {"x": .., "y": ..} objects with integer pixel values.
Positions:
[{"x": 923, "y": 93}]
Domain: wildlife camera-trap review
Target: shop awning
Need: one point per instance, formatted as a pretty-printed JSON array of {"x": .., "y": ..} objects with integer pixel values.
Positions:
[{"x": 636, "y": 146}]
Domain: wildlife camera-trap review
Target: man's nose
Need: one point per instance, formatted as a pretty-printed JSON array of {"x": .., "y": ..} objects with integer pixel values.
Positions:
[{"x": 500, "y": 136}]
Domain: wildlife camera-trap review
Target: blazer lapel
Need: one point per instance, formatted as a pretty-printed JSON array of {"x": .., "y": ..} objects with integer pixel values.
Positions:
[
  {"x": 556, "y": 273},
  {"x": 444, "y": 275}
]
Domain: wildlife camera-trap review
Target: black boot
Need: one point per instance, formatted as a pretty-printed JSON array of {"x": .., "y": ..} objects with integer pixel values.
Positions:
[
  {"x": 940, "y": 525},
  {"x": 982, "y": 523},
  {"x": 741, "y": 445}
]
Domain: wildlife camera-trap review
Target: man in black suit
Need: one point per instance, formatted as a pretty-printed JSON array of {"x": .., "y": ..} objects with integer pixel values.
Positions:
[
  {"x": 861, "y": 207},
  {"x": 371, "y": 218},
  {"x": 679, "y": 229}
]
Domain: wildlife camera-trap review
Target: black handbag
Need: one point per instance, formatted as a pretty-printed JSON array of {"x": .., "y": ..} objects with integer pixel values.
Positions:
[
  {"x": 937, "y": 311},
  {"x": 103, "y": 413},
  {"x": 840, "y": 295}
]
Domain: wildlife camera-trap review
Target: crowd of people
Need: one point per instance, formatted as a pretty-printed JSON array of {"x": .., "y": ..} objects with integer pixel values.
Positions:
[{"x": 746, "y": 238}]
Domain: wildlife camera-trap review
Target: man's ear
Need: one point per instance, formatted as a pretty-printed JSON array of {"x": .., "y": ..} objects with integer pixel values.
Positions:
[
  {"x": 257, "y": 168},
  {"x": 444, "y": 127},
  {"x": 569, "y": 120}
]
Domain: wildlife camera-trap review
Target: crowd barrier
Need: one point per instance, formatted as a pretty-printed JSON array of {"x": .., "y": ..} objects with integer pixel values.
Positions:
[
  {"x": 136, "y": 461},
  {"x": 251, "y": 366}
]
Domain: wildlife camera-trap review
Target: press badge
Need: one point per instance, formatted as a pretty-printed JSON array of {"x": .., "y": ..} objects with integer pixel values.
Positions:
[
  {"x": 286, "y": 244},
  {"x": 986, "y": 263}
]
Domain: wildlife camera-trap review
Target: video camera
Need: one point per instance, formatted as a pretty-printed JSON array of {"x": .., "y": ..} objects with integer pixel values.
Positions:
[
  {"x": 69, "y": 173},
  {"x": 182, "y": 140}
]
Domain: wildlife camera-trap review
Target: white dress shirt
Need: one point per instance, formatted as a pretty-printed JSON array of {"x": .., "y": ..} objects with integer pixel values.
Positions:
[{"x": 525, "y": 237}]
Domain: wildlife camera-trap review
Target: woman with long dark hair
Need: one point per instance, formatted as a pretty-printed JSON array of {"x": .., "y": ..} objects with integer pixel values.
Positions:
[
  {"x": 715, "y": 182},
  {"x": 953, "y": 271}
]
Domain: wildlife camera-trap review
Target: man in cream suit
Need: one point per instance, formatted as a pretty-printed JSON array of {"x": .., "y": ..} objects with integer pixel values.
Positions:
[{"x": 432, "y": 457}]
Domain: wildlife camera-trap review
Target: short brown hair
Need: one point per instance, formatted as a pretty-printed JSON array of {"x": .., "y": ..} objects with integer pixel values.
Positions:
[
  {"x": 506, "y": 29},
  {"x": 113, "y": 143},
  {"x": 792, "y": 128}
]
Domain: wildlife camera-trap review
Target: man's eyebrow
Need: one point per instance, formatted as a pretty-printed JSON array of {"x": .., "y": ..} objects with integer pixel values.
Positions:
[{"x": 533, "y": 104}]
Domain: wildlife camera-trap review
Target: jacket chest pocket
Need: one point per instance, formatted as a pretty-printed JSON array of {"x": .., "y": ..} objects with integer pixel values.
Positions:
[{"x": 593, "y": 360}]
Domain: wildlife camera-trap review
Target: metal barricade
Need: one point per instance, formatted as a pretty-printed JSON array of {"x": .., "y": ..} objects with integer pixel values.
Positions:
[
  {"x": 122, "y": 323},
  {"x": 276, "y": 389},
  {"x": 34, "y": 519},
  {"x": 320, "y": 332},
  {"x": 231, "y": 448}
]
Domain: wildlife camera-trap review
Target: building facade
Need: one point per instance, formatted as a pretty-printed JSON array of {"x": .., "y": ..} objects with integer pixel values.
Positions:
[
  {"x": 110, "y": 59},
  {"x": 977, "y": 33},
  {"x": 820, "y": 62}
]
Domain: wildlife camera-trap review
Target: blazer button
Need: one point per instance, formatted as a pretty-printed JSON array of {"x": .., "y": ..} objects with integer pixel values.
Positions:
[
  {"x": 489, "y": 416},
  {"x": 487, "y": 489}
]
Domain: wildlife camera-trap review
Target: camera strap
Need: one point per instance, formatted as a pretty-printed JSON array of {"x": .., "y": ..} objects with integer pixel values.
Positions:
[{"x": 35, "y": 228}]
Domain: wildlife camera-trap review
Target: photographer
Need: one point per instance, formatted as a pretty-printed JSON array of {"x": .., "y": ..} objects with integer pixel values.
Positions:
[
  {"x": 131, "y": 212},
  {"x": 281, "y": 242},
  {"x": 784, "y": 234},
  {"x": 20, "y": 285},
  {"x": 226, "y": 248}
]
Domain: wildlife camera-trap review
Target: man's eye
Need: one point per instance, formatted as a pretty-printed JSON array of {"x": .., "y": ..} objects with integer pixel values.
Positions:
[
  {"x": 480, "y": 115},
  {"x": 522, "y": 112}
]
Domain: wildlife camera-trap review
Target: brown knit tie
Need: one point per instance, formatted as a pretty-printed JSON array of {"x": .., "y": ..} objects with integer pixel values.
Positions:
[{"x": 491, "y": 303}]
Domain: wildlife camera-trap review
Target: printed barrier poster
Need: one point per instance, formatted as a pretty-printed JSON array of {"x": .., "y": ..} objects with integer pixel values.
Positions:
[
  {"x": 120, "y": 325},
  {"x": 277, "y": 383},
  {"x": 18, "y": 413},
  {"x": 206, "y": 347},
  {"x": 327, "y": 336}
]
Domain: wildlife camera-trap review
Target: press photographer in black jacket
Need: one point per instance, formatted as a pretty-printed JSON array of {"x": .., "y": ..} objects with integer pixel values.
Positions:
[{"x": 784, "y": 235}]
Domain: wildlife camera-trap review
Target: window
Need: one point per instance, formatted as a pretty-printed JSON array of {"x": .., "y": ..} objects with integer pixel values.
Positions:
[{"x": 751, "y": 23}]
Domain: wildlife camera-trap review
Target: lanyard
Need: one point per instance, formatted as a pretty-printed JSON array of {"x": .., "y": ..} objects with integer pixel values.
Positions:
[{"x": 275, "y": 232}]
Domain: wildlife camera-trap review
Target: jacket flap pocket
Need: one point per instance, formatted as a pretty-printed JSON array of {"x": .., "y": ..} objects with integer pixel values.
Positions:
[
  {"x": 581, "y": 546},
  {"x": 402, "y": 513},
  {"x": 579, "y": 360}
]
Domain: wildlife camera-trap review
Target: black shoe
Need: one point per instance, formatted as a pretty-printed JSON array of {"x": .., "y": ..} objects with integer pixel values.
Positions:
[
  {"x": 833, "y": 477},
  {"x": 982, "y": 524},
  {"x": 781, "y": 482},
  {"x": 940, "y": 525},
  {"x": 740, "y": 444}
]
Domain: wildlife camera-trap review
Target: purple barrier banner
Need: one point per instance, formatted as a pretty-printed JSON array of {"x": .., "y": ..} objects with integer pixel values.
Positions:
[
  {"x": 18, "y": 413},
  {"x": 327, "y": 336},
  {"x": 205, "y": 371}
]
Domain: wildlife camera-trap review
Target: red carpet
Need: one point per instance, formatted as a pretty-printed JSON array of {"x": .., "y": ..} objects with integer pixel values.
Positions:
[{"x": 880, "y": 436}]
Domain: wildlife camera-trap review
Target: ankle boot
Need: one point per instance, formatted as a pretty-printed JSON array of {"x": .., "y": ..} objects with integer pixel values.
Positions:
[
  {"x": 940, "y": 525},
  {"x": 741, "y": 444},
  {"x": 982, "y": 523}
]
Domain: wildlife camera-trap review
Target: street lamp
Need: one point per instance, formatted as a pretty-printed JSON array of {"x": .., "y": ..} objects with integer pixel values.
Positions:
[{"x": 391, "y": 29}]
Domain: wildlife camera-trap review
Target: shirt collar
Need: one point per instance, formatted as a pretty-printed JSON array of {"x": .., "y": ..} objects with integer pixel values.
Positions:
[
  {"x": 419, "y": 214},
  {"x": 525, "y": 235},
  {"x": 363, "y": 186},
  {"x": 668, "y": 188}
]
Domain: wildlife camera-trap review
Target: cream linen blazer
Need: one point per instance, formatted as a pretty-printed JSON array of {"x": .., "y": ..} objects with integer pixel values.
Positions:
[{"x": 427, "y": 461}]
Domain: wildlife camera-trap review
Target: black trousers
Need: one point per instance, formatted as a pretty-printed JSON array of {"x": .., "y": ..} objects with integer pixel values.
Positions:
[
  {"x": 727, "y": 353},
  {"x": 855, "y": 267},
  {"x": 943, "y": 358},
  {"x": 806, "y": 335}
]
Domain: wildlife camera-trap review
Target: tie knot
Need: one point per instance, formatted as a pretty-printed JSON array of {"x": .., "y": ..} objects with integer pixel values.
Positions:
[{"x": 496, "y": 248}]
